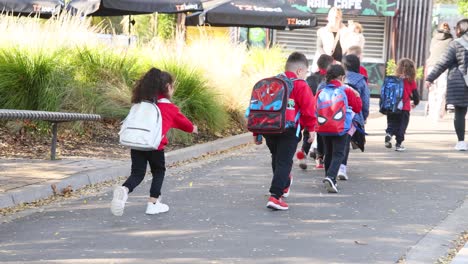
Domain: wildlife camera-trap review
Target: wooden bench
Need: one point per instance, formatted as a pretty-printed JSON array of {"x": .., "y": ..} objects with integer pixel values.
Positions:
[{"x": 52, "y": 117}]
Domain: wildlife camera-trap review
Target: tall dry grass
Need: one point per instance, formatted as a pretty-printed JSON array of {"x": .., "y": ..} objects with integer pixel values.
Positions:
[
  {"x": 35, "y": 33},
  {"x": 70, "y": 69},
  {"x": 230, "y": 68}
]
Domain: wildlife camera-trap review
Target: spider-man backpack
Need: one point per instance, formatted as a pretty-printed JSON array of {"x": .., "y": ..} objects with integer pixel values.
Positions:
[
  {"x": 334, "y": 117},
  {"x": 271, "y": 110}
]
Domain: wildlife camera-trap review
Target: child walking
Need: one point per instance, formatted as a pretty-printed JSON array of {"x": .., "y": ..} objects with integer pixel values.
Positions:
[
  {"x": 398, "y": 122},
  {"x": 334, "y": 121},
  {"x": 283, "y": 145},
  {"x": 155, "y": 84},
  {"x": 351, "y": 63},
  {"x": 316, "y": 81}
]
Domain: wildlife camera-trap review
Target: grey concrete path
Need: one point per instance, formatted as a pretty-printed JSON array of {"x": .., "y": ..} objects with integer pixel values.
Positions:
[
  {"x": 391, "y": 203},
  {"x": 27, "y": 180}
]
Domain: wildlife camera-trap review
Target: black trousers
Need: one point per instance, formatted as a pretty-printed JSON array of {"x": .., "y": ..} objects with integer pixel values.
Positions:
[
  {"x": 282, "y": 148},
  {"x": 306, "y": 145},
  {"x": 140, "y": 160},
  {"x": 397, "y": 124},
  {"x": 335, "y": 147},
  {"x": 347, "y": 149},
  {"x": 459, "y": 122}
]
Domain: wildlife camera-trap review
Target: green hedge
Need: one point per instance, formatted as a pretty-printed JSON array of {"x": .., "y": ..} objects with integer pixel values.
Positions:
[{"x": 61, "y": 67}]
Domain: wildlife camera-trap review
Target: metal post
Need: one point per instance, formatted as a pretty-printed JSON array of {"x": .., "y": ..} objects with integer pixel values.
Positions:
[
  {"x": 129, "y": 30},
  {"x": 54, "y": 141}
]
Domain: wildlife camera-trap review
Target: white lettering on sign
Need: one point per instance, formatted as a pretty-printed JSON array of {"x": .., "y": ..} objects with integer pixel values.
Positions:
[
  {"x": 259, "y": 8},
  {"x": 48, "y": 9},
  {"x": 183, "y": 7},
  {"x": 43, "y": 9},
  {"x": 318, "y": 4},
  {"x": 343, "y": 4},
  {"x": 298, "y": 22},
  {"x": 348, "y": 4}
]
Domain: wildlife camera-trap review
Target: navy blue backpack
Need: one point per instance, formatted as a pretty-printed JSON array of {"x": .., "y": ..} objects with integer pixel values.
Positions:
[{"x": 391, "y": 95}]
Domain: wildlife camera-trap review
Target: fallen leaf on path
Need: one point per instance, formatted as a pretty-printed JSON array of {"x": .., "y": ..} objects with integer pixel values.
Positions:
[
  {"x": 359, "y": 243},
  {"x": 54, "y": 189}
]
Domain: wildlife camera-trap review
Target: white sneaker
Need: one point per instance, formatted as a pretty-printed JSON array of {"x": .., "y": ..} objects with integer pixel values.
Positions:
[
  {"x": 156, "y": 208},
  {"x": 330, "y": 185},
  {"x": 461, "y": 146},
  {"x": 342, "y": 175},
  {"x": 400, "y": 148},
  {"x": 119, "y": 200}
]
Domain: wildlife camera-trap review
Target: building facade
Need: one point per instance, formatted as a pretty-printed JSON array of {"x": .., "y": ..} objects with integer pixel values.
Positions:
[{"x": 393, "y": 29}]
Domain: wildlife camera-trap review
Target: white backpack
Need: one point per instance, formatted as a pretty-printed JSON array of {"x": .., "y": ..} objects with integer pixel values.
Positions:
[{"x": 142, "y": 128}]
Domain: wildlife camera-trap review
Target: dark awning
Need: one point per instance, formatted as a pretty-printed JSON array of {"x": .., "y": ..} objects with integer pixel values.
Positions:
[
  {"x": 43, "y": 8},
  {"x": 247, "y": 13},
  {"x": 127, "y": 7}
]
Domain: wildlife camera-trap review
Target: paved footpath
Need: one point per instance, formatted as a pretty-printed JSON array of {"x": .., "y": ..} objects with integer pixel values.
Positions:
[{"x": 218, "y": 215}]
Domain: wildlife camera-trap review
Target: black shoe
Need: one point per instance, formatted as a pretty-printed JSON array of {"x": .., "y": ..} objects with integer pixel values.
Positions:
[
  {"x": 313, "y": 154},
  {"x": 303, "y": 165},
  {"x": 330, "y": 185},
  {"x": 388, "y": 138}
]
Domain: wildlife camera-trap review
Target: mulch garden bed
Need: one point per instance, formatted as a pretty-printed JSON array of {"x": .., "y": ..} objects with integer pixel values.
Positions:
[{"x": 23, "y": 139}]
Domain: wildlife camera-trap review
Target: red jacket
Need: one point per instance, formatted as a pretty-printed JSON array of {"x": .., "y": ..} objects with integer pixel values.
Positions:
[
  {"x": 172, "y": 118},
  {"x": 409, "y": 88},
  {"x": 363, "y": 72},
  {"x": 303, "y": 102},
  {"x": 354, "y": 101}
]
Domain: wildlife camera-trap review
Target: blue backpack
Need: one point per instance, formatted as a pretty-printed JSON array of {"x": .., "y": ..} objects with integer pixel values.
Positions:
[
  {"x": 334, "y": 117},
  {"x": 391, "y": 95}
]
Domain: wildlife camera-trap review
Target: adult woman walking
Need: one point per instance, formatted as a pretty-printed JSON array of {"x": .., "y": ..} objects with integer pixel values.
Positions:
[
  {"x": 455, "y": 60},
  {"x": 330, "y": 37},
  {"x": 435, "y": 109}
]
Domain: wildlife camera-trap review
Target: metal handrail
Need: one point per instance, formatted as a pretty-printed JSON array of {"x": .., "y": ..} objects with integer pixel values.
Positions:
[{"x": 52, "y": 117}]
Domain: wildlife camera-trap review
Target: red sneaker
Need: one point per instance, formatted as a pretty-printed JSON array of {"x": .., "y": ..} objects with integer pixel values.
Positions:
[
  {"x": 301, "y": 157},
  {"x": 319, "y": 164},
  {"x": 277, "y": 204},
  {"x": 287, "y": 189}
]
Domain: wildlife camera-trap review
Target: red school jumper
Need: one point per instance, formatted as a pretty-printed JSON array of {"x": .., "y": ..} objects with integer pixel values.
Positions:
[{"x": 172, "y": 118}]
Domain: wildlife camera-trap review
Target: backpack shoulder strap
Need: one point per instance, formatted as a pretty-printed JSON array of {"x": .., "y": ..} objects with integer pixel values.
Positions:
[
  {"x": 289, "y": 81},
  {"x": 462, "y": 42},
  {"x": 352, "y": 86},
  {"x": 343, "y": 88},
  {"x": 164, "y": 101}
]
